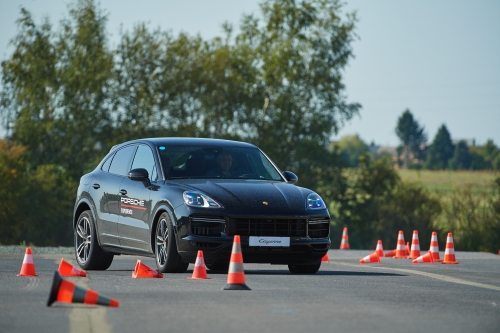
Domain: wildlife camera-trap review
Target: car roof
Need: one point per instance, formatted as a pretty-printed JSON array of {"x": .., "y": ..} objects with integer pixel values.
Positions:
[{"x": 178, "y": 141}]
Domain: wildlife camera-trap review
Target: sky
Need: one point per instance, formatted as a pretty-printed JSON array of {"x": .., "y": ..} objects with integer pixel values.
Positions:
[{"x": 439, "y": 59}]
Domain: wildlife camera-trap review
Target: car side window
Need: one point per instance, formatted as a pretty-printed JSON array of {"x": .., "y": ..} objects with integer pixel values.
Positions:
[
  {"x": 121, "y": 161},
  {"x": 144, "y": 159},
  {"x": 105, "y": 166}
]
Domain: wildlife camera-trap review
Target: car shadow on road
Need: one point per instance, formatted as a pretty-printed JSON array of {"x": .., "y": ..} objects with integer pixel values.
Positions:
[{"x": 319, "y": 273}]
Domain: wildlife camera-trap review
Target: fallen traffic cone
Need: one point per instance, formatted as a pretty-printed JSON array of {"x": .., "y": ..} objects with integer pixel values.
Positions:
[
  {"x": 200, "y": 270},
  {"x": 379, "y": 249},
  {"x": 415, "y": 246},
  {"x": 344, "y": 244},
  {"x": 28, "y": 267},
  {"x": 400, "y": 247},
  {"x": 144, "y": 271},
  {"x": 449, "y": 253},
  {"x": 66, "y": 269},
  {"x": 325, "y": 258},
  {"x": 424, "y": 258},
  {"x": 67, "y": 292},
  {"x": 370, "y": 258},
  {"x": 391, "y": 253},
  {"x": 236, "y": 274},
  {"x": 434, "y": 248}
]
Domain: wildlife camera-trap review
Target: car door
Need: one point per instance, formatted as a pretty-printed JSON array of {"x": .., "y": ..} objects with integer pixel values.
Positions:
[
  {"x": 105, "y": 191},
  {"x": 135, "y": 204}
]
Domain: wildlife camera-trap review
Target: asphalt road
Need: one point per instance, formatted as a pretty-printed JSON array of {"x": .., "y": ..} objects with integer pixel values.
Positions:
[{"x": 344, "y": 296}]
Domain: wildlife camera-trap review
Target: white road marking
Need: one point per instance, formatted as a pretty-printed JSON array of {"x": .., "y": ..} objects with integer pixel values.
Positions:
[{"x": 430, "y": 275}]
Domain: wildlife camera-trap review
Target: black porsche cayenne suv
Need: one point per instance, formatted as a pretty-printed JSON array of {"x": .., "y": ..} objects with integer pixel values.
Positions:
[{"x": 167, "y": 198}]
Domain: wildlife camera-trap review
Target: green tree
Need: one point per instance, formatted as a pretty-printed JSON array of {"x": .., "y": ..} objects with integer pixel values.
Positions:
[
  {"x": 376, "y": 204},
  {"x": 441, "y": 150},
  {"x": 486, "y": 157},
  {"x": 30, "y": 85},
  {"x": 411, "y": 135},
  {"x": 35, "y": 203},
  {"x": 461, "y": 159},
  {"x": 351, "y": 148},
  {"x": 300, "y": 50},
  {"x": 85, "y": 73},
  {"x": 56, "y": 88}
]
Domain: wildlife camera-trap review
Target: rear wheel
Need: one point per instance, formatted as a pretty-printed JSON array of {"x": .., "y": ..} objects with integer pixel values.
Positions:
[
  {"x": 88, "y": 253},
  {"x": 168, "y": 259},
  {"x": 304, "y": 269}
]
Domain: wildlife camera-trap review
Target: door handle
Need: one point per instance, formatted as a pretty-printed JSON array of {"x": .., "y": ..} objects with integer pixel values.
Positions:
[
  {"x": 123, "y": 192},
  {"x": 96, "y": 186}
]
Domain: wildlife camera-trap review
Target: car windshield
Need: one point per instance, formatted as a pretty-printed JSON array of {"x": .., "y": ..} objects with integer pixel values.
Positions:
[{"x": 181, "y": 162}]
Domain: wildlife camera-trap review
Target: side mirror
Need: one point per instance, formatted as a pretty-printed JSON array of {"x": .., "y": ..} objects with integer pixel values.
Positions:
[
  {"x": 290, "y": 177},
  {"x": 140, "y": 175}
]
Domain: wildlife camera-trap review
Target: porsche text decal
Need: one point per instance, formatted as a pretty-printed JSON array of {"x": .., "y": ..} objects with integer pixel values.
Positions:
[{"x": 128, "y": 204}]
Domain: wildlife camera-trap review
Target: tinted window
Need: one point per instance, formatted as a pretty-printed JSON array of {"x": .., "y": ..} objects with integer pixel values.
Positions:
[
  {"x": 217, "y": 162},
  {"x": 121, "y": 161},
  {"x": 144, "y": 159}
]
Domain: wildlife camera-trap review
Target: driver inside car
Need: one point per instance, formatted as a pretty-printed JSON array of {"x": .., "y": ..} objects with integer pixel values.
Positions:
[{"x": 223, "y": 167}]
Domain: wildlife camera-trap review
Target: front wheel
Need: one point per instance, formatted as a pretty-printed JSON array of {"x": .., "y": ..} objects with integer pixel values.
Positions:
[
  {"x": 89, "y": 254},
  {"x": 168, "y": 259},
  {"x": 304, "y": 269}
]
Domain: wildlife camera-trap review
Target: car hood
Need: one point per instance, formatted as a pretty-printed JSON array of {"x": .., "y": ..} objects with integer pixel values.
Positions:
[{"x": 248, "y": 193}]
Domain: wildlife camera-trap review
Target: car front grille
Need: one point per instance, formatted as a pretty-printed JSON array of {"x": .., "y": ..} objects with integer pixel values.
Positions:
[
  {"x": 207, "y": 226},
  {"x": 267, "y": 227},
  {"x": 319, "y": 227}
]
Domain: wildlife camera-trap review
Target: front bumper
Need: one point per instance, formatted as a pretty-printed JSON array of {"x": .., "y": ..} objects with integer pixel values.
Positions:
[{"x": 218, "y": 250}]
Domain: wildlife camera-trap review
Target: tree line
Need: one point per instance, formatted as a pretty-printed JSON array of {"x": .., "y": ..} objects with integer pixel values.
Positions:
[
  {"x": 414, "y": 152},
  {"x": 67, "y": 97}
]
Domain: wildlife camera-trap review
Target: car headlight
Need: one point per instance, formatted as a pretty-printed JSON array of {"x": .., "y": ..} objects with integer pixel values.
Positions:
[
  {"x": 197, "y": 199},
  {"x": 314, "y": 201}
]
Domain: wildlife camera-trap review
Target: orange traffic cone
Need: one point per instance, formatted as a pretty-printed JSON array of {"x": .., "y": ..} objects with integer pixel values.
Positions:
[
  {"x": 144, "y": 271},
  {"x": 434, "y": 248},
  {"x": 449, "y": 253},
  {"x": 379, "y": 249},
  {"x": 236, "y": 274},
  {"x": 424, "y": 258},
  {"x": 370, "y": 258},
  {"x": 67, "y": 292},
  {"x": 66, "y": 269},
  {"x": 28, "y": 267},
  {"x": 415, "y": 246},
  {"x": 200, "y": 270},
  {"x": 325, "y": 258},
  {"x": 407, "y": 248},
  {"x": 344, "y": 244},
  {"x": 391, "y": 253},
  {"x": 400, "y": 248}
]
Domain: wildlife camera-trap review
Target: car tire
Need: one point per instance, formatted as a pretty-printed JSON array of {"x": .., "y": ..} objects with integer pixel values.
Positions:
[
  {"x": 304, "y": 269},
  {"x": 168, "y": 259},
  {"x": 89, "y": 255}
]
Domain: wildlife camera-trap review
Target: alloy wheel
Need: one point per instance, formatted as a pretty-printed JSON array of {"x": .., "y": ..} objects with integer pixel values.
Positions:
[
  {"x": 83, "y": 239},
  {"x": 161, "y": 242}
]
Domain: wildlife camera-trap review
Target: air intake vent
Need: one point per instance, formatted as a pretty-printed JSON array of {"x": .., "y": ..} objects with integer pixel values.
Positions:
[
  {"x": 267, "y": 227},
  {"x": 207, "y": 226},
  {"x": 319, "y": 227}
]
